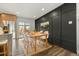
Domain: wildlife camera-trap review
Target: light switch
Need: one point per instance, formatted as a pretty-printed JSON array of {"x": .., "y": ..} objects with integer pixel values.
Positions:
[{"x": 69, "y": 22}]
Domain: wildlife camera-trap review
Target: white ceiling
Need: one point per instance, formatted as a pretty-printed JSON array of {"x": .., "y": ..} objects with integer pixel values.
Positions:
[{"x": 28, "y": 10}]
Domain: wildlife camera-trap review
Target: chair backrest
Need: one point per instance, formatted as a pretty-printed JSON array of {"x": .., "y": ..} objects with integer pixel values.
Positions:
[
  {"x": 4, "y": 42},
  {"x": 41, "y": 31},
  {"x": 46, "y": 32}
]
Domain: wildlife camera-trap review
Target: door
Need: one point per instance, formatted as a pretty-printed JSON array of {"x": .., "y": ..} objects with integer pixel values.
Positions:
[{"x": 69, "y": 26}]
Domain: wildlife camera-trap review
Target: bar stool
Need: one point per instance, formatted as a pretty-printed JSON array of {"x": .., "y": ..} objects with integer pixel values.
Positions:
[{"x": 4, "y": 48}]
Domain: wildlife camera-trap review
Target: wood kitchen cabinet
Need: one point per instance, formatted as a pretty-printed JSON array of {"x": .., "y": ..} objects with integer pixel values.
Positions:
[{"x": 4, "y": 17}]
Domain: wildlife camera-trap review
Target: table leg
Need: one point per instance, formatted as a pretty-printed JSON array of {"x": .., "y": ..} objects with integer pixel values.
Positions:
[
  {"x": 46, "y": 43},
  {"x": 27, "y": 46},
  {"x": 35, "y": 43}
]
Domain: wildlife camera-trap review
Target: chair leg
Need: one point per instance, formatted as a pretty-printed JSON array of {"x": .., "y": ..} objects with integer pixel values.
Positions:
[{"x": 5, "y": 49}]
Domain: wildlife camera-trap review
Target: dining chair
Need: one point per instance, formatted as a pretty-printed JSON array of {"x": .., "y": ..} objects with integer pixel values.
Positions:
[
  {"x": 43, "y": 38},
  {"x": 4, "y": 48},
  {"x": 28, "y": 44}
]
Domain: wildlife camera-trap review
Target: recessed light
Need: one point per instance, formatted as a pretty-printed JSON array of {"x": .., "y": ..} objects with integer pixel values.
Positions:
[
  {"x": 17, "y": 12},
  {"x": 43, "y": 9},
  {"x": 34, "y": 16}
]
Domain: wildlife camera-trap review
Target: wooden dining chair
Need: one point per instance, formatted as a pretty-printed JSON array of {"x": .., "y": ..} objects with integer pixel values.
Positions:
[
  {"x": 28, "y": 44},
  {"x": 43, "y": 38},
  {"x": 4, "y": 48}
]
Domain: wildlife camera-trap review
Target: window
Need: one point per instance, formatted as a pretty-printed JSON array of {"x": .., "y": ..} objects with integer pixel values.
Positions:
[{"x": 21, "y": 29}]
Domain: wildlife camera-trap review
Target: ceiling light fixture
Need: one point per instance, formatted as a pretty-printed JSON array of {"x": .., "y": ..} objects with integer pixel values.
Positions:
[
  {"x": 43, "y": 9},
  {"x": 34, "y": 16},
  {"x": 17, "y": 12}
]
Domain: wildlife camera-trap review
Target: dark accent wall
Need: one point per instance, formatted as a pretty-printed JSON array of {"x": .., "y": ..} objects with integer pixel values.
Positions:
[
  {"x": 69, "y": 30},
  {"x": 41, "y": 20},
  {"x": 60, "y": 31},
  {"x": 55, "y": 26}
]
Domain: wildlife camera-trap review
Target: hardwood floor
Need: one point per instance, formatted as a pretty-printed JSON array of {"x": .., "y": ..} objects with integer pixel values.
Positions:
[
  {"x": 57, "y": 51},
  {"x": 53, "y": 51}
]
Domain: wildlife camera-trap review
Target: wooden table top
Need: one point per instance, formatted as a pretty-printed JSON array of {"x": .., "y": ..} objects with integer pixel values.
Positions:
[{"x": 38, "y": 34}]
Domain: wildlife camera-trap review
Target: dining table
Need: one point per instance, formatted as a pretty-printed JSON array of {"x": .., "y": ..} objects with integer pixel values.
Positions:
[{"x": 36, "y": 36}]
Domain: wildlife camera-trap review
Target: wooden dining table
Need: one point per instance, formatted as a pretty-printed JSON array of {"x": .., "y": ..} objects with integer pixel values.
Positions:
[{"x": 37, "y": 36}]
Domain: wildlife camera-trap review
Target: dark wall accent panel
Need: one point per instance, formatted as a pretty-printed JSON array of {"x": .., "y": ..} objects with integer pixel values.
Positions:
[
  {"x": 55, "y": 25},
  {"x": 62, "y": 26},
  {"x": 50, "y": 29},
  {"x": 37, "y": 25},
  {"x": 69, "y": 26},
  {"x": 42, "y": 20}
]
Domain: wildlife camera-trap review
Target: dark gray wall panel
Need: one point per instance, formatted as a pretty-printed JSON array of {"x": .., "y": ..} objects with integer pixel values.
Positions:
[
  {"x": 69, "y": 30},
  {"x": 55, "y": 25},
  {"x": 60, "y": 32}
]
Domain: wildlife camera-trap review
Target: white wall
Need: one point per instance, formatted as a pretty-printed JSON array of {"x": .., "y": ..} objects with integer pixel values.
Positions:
[
  {"x": 28, "y": 21},
  {"x": 77, "y": 26}
]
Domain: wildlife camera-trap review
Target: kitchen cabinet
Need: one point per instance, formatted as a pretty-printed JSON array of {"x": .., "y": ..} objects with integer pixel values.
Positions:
[{"x": 5, "y": 17}]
